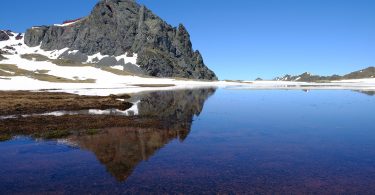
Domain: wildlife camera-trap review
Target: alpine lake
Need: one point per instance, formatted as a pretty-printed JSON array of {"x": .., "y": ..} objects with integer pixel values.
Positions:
[{"x": 199, "y": 141}]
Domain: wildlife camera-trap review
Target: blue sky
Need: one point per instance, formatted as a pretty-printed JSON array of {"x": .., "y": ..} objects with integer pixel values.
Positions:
[{"x": 245, "y": 39}]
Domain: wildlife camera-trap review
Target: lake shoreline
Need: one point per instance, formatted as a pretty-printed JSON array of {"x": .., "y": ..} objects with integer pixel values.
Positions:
[
  {"x": 54, "y": 115},
  {"x": 29, "y": 102},
  {"x": 21, "y": 112}
]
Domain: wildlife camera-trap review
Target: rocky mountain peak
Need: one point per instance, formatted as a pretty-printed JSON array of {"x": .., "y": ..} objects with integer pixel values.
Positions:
[{"x": 118, "y": 27}]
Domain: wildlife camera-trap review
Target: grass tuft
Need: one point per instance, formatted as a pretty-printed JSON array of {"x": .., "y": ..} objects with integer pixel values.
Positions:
[{"x": 35, "y": 57}]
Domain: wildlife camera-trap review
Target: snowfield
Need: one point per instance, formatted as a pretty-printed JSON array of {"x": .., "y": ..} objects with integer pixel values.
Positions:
[{"x": 107, "y": 83}]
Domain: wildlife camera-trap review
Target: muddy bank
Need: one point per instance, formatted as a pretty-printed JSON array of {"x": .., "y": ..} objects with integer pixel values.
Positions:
[{"x": 23, "y": 102}]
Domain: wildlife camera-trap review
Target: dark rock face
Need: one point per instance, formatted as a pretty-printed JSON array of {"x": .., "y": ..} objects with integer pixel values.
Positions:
[
  {"x": 19, "y": 36},
  {"x": 2, "y": 57},
  {"x": 118, "y": 26},
  {"x": 4, "y": 35},
  {"x": 9, "y": 48},
  {"x": 9, "y": 32},
  {"x": 35, "y": 35},
  {"x": 76, "y": 57}
]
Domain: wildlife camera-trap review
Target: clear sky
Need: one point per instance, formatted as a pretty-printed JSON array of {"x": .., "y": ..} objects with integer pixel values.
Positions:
[{"x": 245, "y": 39}]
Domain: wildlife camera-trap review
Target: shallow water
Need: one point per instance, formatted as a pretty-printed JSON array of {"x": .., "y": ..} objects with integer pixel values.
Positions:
[{"x": 223, "y": 141}]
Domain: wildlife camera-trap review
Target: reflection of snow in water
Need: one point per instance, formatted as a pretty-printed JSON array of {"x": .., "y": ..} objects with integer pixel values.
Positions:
[
  {"x": 132, "y": 111},
  {"x": 66, "y": 142}
]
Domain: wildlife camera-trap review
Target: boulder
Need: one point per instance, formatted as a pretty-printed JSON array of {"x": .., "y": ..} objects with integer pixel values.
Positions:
[
  {"x": 76, "y": 56},
  {"x": 19, "y": 36},
  {"x": 4, "y": 35}
]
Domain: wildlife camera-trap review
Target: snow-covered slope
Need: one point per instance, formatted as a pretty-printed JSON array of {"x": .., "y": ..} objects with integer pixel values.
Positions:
[
  {"x": 104, "y": 79},
  {"x": 113, "y": 80}
]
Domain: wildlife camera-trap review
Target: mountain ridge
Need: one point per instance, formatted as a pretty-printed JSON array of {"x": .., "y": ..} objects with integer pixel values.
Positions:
[{"x": 368, "y": 72}]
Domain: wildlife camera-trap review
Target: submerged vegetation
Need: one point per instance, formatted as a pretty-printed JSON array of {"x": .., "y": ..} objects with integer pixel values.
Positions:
[
  {"x": 56, "y": 134},
  {"x": 22, "y": 102},
  {"x": 176, "y": 112},
  {"x": 5, "y": 137},
  {"x": 19, "y": 103},
  {"x": 54, "y": 127}
]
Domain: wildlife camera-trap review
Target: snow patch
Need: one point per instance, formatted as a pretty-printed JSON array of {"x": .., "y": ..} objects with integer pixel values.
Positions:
[
  {"x": 98, "y": 56},
  {"x": 133, "y": 111},
  {"x": 21, "y": 48},
  {"x": 118, "y": 67},
  {"x": 67, "y": 24},
  {"x": 95, "y": 58},
  {"x": 73, "y": 52},
  {"x": 132, "y": 60}
]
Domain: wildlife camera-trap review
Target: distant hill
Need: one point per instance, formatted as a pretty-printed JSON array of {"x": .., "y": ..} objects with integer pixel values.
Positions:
[{"x": 308, "y": 77}]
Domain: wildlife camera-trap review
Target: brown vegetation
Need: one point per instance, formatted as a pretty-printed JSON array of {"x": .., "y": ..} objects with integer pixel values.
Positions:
[
  {"x": 117, "y": 72},
  {"x": 22, "y": 102},
  {"x": 13, "y": 70},
  {"x": 53, "y": 127},
  {"x": 66, "y": 62},
  {"x": 35, "y": 57}
]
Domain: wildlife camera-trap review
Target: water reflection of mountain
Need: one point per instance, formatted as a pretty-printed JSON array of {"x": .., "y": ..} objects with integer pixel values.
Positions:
[
  {"x": 122, "y": 149},
  {"x": 175, "y": 108},
  {"x": 370, "y": 93}
]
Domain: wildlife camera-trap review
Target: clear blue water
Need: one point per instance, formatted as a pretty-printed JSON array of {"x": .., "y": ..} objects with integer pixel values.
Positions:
[{"x": 239, "y": 141}]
